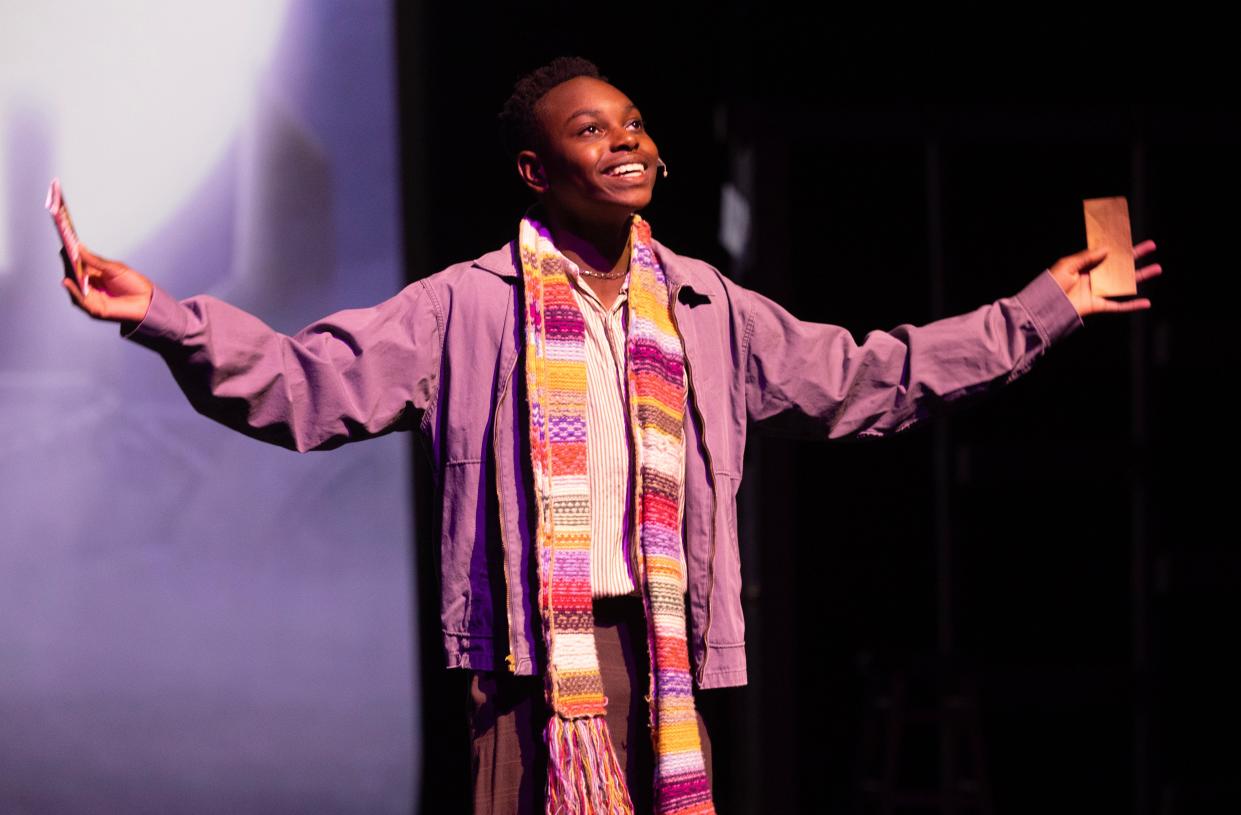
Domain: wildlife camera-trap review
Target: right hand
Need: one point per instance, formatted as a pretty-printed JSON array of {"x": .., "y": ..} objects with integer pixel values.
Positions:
[{"x": 117, "y": 292}]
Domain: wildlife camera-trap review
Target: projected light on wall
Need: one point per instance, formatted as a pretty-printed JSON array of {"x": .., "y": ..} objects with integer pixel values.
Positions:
[{"x": 137, "y": 102}]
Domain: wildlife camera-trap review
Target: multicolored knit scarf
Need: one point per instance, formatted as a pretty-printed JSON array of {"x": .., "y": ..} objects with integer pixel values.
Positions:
[{"x": 584, "y": 776}]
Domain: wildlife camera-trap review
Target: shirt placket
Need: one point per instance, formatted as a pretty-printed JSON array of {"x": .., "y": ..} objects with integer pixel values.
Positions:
[{"x": 613, "y": 325}]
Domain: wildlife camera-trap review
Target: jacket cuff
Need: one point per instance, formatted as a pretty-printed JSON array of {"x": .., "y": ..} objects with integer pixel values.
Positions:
[
  {"x": 1053, "y": 313},
  {"x": 164, "y": 322}
]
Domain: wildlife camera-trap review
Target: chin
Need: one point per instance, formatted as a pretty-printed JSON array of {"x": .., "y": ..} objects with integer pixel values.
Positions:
[{"x": 638, "y": 202}]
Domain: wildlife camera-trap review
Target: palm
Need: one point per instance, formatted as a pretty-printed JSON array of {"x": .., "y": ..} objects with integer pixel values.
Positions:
[{"x": 1073, "y": 275}]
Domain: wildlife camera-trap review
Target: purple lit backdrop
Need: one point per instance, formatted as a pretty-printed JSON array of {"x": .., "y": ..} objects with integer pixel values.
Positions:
[{"x": 191, "y": 620}]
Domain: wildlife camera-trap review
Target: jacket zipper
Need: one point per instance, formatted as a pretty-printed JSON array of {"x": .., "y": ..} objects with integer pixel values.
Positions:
[
  {"x": 511, "y": 659},
  {"x": 706, "y": 643}
]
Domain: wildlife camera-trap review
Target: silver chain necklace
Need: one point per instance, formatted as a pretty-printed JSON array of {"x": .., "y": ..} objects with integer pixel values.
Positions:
[
  {"x": 624, "y": 270},
  {"x": 602, "y": 275}
]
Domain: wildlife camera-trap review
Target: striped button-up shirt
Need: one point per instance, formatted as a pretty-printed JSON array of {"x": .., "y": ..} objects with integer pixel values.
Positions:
[{"x": 609, "y": 452}]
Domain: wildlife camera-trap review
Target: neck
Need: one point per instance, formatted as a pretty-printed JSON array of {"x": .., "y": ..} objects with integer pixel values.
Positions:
[{"x": 594, "y": 245}]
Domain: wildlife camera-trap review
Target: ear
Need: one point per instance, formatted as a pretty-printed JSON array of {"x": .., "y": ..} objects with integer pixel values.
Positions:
[{"x": 530, "y": 168}]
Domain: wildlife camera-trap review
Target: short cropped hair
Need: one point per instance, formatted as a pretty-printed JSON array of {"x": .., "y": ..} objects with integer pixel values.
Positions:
[{"x": 519, "y": 127}]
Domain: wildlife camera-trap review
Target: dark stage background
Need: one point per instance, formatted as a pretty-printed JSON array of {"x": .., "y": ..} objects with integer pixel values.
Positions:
[{"x": 1024, "y": 601}]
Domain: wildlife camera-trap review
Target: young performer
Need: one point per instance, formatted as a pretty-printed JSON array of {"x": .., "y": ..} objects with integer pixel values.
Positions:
[{"x": 584, "y": 392}]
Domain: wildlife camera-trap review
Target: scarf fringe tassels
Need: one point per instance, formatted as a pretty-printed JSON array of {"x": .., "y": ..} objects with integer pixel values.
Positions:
[{"x": 583, "y": 774}]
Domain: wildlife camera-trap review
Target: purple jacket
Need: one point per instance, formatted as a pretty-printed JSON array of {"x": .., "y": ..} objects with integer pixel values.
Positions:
[{"x": 445, "y": 356}]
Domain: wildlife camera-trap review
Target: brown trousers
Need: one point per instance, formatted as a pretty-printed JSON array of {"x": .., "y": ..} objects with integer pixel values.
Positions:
[{"x": 508, "y": 761}]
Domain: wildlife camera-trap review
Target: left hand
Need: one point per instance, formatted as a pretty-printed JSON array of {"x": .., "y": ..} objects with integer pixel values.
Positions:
[
  {"x": 117, "y": 292},
  {"x": 1073, "y": 275}
]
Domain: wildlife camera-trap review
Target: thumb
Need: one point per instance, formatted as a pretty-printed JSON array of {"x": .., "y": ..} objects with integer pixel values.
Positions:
[
  {"x": 1091, "y": 257},
  {"x": 98, "y": 262}
]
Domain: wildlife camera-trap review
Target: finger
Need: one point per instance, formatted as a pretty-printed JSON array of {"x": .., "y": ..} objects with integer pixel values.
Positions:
[
  {"x": 71, "y": 268},
  {"x": 1090, "y": 258},
  {"x": 1147, "y": 272},
  {"x": 91, "y": 301},
  {"x": 114, "y": 266},
  {"x": 75, "y": 294},
  {"x": 1143, "y": 248},
  {"x": 1139, "y": 304}
]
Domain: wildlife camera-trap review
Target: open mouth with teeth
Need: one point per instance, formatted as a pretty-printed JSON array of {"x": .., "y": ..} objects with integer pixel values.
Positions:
[{"x": 627, "y": 170}]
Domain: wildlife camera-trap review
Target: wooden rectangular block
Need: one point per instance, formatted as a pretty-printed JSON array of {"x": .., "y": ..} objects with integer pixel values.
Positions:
[{"x": 1107, "y": 224}]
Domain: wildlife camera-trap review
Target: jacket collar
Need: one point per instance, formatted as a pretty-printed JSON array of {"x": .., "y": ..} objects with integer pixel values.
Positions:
[{"x": 503, "y": 262}]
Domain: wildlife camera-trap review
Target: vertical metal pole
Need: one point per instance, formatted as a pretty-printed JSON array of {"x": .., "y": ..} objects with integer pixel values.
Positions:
[
  {"x": 942, "y": 451},
  {"x": 1140, "y": 544},
  {"x": 941, "y": 473}
]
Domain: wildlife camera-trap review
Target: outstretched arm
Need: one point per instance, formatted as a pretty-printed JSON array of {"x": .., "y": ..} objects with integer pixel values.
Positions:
[
  {"x": 352, "y": 375},
  {"x": 814, "y": 379}
]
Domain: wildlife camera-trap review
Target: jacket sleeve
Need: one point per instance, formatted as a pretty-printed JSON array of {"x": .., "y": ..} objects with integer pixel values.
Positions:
[
  {"x": 814, "y": 379},
  {"x": 352, "y": 375}
]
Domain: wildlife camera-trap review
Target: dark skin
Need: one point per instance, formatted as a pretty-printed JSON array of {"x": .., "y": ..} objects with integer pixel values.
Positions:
[{"x": 588, "y": 128}]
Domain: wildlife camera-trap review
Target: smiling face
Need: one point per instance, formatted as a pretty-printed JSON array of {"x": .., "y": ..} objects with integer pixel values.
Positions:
[{"x": 596, "y": 162}]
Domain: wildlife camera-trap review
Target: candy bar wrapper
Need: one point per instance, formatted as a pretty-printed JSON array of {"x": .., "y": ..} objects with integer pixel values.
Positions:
[{"x": 64, "y": 225}]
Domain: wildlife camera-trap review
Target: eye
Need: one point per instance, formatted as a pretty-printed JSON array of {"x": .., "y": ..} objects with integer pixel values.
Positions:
[
  {"x": 637, "y": 124},
  {"x": 592, "y": 129}
]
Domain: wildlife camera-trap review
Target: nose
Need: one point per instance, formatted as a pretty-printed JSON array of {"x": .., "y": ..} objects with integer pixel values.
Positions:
[{"x": 626, "y": 140}]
